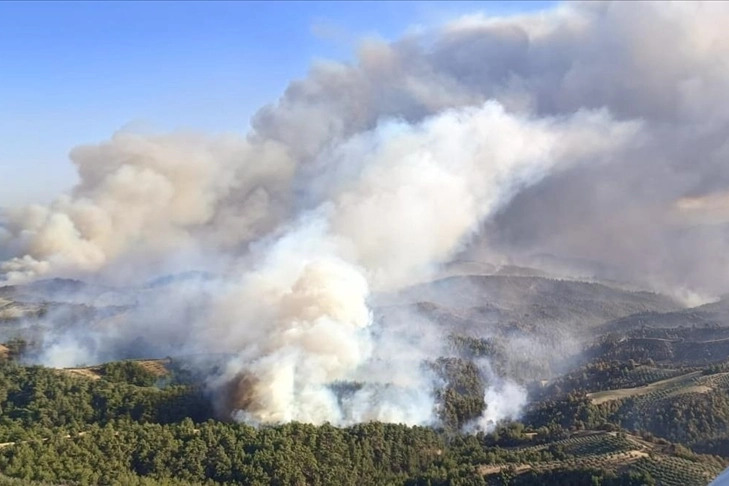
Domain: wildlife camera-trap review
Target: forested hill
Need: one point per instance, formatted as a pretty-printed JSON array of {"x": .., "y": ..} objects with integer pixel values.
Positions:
[
  {"x": 126, "y": 424},
  {"x": 643, "y": 400}
]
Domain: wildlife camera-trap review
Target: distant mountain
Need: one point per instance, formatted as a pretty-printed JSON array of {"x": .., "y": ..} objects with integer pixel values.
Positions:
[
  {"x": 707, "y": 315},
  {"x": 531, "y": 300},
  {"x": 55, "y": 290},
  {"x": 467, "y": 267},
  {"x": 574, "y": 267},
  {"x": 191, "y": 276}
]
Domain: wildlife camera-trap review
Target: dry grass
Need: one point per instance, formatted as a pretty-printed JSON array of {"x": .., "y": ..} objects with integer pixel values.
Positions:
[
  {"x": 93, "y": 372},
  {"x": 158, "y": 367}
]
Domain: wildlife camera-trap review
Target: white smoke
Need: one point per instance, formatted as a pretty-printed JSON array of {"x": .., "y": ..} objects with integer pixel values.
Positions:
[
  {"x": 299, "y": 321},
  {"x": 504, "y": 398},
  {"x": 504, "y": 401},
  {"x": 368, "y": 177},
  {"x": 297, "y": 318}
]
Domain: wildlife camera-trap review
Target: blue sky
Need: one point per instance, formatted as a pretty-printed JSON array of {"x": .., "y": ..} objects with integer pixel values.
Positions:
[{"x": 75, "y": 72}]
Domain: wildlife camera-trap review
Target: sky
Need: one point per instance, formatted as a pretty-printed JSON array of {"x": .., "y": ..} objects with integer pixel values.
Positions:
[{"x": 75, "y": 72}]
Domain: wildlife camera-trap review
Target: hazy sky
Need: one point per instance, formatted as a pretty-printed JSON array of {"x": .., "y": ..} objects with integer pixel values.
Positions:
[{"x": 75, "y": 72}]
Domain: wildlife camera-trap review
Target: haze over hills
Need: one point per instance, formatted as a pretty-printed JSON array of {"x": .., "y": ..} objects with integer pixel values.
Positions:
[{"x": 712, "y": 314}]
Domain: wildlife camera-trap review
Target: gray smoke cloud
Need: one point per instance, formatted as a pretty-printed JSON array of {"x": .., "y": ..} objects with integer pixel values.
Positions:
[{"x": 592, "y": 131}]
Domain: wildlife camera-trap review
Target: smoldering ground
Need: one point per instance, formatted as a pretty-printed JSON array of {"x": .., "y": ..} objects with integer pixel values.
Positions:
[{"x": 573, "y": 132}]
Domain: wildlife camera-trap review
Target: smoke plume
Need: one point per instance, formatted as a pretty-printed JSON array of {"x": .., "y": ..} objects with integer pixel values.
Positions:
[{"x": 592, "y": 131}]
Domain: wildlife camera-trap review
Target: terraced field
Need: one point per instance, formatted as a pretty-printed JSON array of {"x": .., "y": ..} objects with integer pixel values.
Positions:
[
  {"x": 654, "y": 396},
  {"x": 658, "y": 389},
  {"x": 618, "y": 453},
  {"x": 645, "y": 375},
  {"x": 597, "y": 442},
  {"x": 676, "y": 471}
]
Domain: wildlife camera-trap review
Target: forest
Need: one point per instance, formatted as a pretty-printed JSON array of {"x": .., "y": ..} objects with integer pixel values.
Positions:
[{"x": 126, "y": 425}]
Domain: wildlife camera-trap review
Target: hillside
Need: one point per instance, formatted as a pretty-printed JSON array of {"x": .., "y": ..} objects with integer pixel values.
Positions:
[
  {"x": 84, "y": 429},
  {"x": 715, "y": 314},
  {"x": 595, "y": 371},
  {"x": 529, "y": 300}
]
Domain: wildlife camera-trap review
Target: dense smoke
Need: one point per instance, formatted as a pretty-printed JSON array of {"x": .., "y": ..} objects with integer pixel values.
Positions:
[{"x": 590, "y": 132}]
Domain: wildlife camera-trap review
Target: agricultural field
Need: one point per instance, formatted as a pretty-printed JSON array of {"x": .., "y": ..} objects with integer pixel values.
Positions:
[{"x": 615, "y": 452}]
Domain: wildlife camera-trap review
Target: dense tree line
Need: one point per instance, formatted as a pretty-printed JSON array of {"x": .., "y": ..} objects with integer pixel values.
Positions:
[
  {"x": 34, "y": 399},
  {"x": 128, "y": 427},
  {"x": 125, "y": 452}
]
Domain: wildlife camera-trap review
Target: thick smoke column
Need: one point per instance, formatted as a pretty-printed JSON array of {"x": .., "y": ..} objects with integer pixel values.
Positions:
[
  {"x": 525, "y": 134},
  {"x": 379, "y": 230},
  {"x": 402, "y": 199}
]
